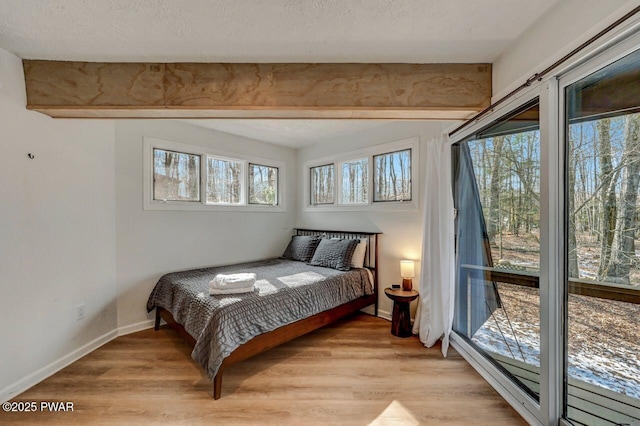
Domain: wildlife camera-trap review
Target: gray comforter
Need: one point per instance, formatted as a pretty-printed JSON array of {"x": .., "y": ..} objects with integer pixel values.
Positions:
[{"x": 286, "y": 291}]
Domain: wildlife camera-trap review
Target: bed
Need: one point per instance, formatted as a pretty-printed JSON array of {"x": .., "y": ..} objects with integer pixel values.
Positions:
[{"x": 292, "y": 298}]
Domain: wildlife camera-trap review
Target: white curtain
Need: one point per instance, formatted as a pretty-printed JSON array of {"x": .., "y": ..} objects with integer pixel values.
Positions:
[{"x": 434, "y": 316}]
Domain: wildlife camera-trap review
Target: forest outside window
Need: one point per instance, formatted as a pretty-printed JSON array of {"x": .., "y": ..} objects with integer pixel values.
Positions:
[
  {"x": 263, "y": 184},
  {"x": 322, "y": 184},
  {"x": 355, "y": 178},
  {"x": 185, "y": 177},
  {"x": 224, "y": 181},
  {"x": 176, "y": 176},
  {"x": 392, "y": 176},
  {"x": 602, "y": 178},
  {"x": 379, "y": 177},
  {"x": 497, "y": 198}
]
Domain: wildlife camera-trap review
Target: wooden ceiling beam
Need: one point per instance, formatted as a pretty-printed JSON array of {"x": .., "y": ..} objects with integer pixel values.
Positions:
[{"x": 221, "y": 90}]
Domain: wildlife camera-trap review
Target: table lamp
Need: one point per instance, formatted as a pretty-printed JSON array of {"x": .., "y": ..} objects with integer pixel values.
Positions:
[{"x": 407, "y": 271}]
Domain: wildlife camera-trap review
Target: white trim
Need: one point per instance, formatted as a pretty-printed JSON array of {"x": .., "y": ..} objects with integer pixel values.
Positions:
[
  {"x": 244, "y": 171},
  {"x": 134, "y": 328},
  {"x": 412, "y": 143},
  {"x": 52, "y": 368},
  {"x": 516, "y": 396},
  {"x": 498, "y": 112},
  {"x": 37, "y": 376},
  {"x": 503, "y": 386},
  {"x": 616, "y": 45},
  {"x": 601, "y": 60},
  {"x": 387, "y": 315},
  {"x": 594, "y": 64},
  {"x": 551, "y": 254},
  {"x": 384, "y": 314},
  {"x": 339, "y": 182},
  {"x": 149, "y": 203}
]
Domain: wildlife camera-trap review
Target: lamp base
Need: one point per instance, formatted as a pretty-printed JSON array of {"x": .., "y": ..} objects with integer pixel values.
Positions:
[{"x": 407, "y": 284}]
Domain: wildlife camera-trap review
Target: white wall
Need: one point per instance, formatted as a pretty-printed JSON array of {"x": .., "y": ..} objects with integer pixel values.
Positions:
[
  {"x": 557, "y": 32},
  {"x": 57, "y": 235},
  {"x": 402, "y": 230},
  {"x": 152, "y": 243}
]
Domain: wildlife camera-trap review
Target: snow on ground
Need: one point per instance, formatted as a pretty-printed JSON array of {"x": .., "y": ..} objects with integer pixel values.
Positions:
[{"x": 604, "y": 337}]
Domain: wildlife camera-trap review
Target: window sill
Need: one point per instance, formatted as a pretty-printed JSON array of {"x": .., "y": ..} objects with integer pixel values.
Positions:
[
  {"x": 176, "y": 206},
  {"x": 386, "y": 206}
]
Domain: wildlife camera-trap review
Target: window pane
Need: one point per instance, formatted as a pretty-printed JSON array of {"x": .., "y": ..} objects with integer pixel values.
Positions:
[
  {"x": 263, "y": 184},
  {"x": 176, "y": 176},
  {"x": 224, "y": 181},
  {"x": 603, "y": 183},
  {"x": 355, "y": 181},
  {"x": 497, "y": 197},
  {"x": 322, "y": 184},
  {"x": 392, "y": 176}
]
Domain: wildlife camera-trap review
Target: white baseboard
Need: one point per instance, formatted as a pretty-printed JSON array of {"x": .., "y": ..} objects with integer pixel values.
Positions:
[
  {"x": 384, "y": 314},
  {"x": 133, "y": 328},
  {"x": 36, "y": 377}
]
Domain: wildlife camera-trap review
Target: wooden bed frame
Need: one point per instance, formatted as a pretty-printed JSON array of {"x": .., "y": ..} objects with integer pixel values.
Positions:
[{"x": 281, "y": 335}]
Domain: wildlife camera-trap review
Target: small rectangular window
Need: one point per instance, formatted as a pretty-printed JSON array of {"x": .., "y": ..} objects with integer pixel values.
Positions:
[
  {"x": 322, "y": 184},
  {"x": 355, "y": 181},
  {"x": 392, "y": 176},
  {"x": 224, "y": 181},
  {"x": 176, "y": 176},
  {"x": 263, "y": 184}
]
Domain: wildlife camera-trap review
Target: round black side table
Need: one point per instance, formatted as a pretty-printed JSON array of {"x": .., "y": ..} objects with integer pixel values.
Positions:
[{"x": 401, "y": 317}]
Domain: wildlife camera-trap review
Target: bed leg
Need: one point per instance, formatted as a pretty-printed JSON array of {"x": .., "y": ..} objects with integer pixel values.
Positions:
[
  {"x": 217, "y": 385},
  {"x": 156, "y": 327}
]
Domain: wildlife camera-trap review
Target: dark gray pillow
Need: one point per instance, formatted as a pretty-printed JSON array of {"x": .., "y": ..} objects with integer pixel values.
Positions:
[
  {"x": 301, "y": 247},
  {"x": 335, "y": 254}
]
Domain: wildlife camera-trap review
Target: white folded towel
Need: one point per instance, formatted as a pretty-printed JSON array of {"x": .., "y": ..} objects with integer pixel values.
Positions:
[
  {"x": 216, "y": 291},
  {"x": 233, "y": 281}
]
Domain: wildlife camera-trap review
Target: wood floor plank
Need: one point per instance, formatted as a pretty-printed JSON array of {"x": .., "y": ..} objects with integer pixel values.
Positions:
[{"x": 353, "y": 372}]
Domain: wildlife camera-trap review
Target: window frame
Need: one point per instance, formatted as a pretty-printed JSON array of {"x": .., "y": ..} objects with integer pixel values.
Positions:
[
  {"x": 277, "y": 203},
  {"x": 340, "y": 187},
  {"x": 373, "y": 177},
  {"x": 153, "y": 179},
  {"x": 412, "y": 144},
  {"x": 517, "y": 397},
  {"x": 550, "y": 88},
  {"x": 243, "y": 188},
  {"x": 334, "y": 184},
  {"x": 149, "y": 203},
  {"x": 596, "y": 63}
]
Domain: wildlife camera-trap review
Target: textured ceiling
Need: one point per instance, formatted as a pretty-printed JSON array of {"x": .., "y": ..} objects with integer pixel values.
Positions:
[
  {"x": 413, "y": 31},
  {"x": 289, "y": 133},
  {"x": 416, "y": 31}
]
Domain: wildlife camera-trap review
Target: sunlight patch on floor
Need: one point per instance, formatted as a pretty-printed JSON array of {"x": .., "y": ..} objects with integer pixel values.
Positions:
[{"x": 395, "y": 414}]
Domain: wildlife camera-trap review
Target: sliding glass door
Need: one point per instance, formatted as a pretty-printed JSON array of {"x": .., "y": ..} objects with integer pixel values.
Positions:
[
  {"x": 497, "y": 199},
  {"x": 602, "y": 288},
  {"x": 547, "y": 196}
]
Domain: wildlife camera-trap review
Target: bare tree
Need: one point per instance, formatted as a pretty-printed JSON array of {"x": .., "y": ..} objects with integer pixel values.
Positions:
[
  {"x": 607, "y": 195},
  {"x": 622, "y": 249},
  {"x": 493, "y": 225}
]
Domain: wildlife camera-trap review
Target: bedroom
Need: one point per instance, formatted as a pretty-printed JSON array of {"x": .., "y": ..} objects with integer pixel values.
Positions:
[{"x": 74, "y": 228}]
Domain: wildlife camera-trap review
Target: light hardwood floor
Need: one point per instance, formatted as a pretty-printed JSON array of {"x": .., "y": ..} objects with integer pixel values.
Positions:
[{"x": 352, "y": 372}]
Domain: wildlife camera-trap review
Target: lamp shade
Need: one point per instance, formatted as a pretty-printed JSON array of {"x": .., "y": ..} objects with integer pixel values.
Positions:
[{"x": 407, "y": 269}]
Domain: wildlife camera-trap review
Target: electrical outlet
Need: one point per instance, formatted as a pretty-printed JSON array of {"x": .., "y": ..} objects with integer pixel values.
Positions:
[{"x": 80, "y": 312}]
